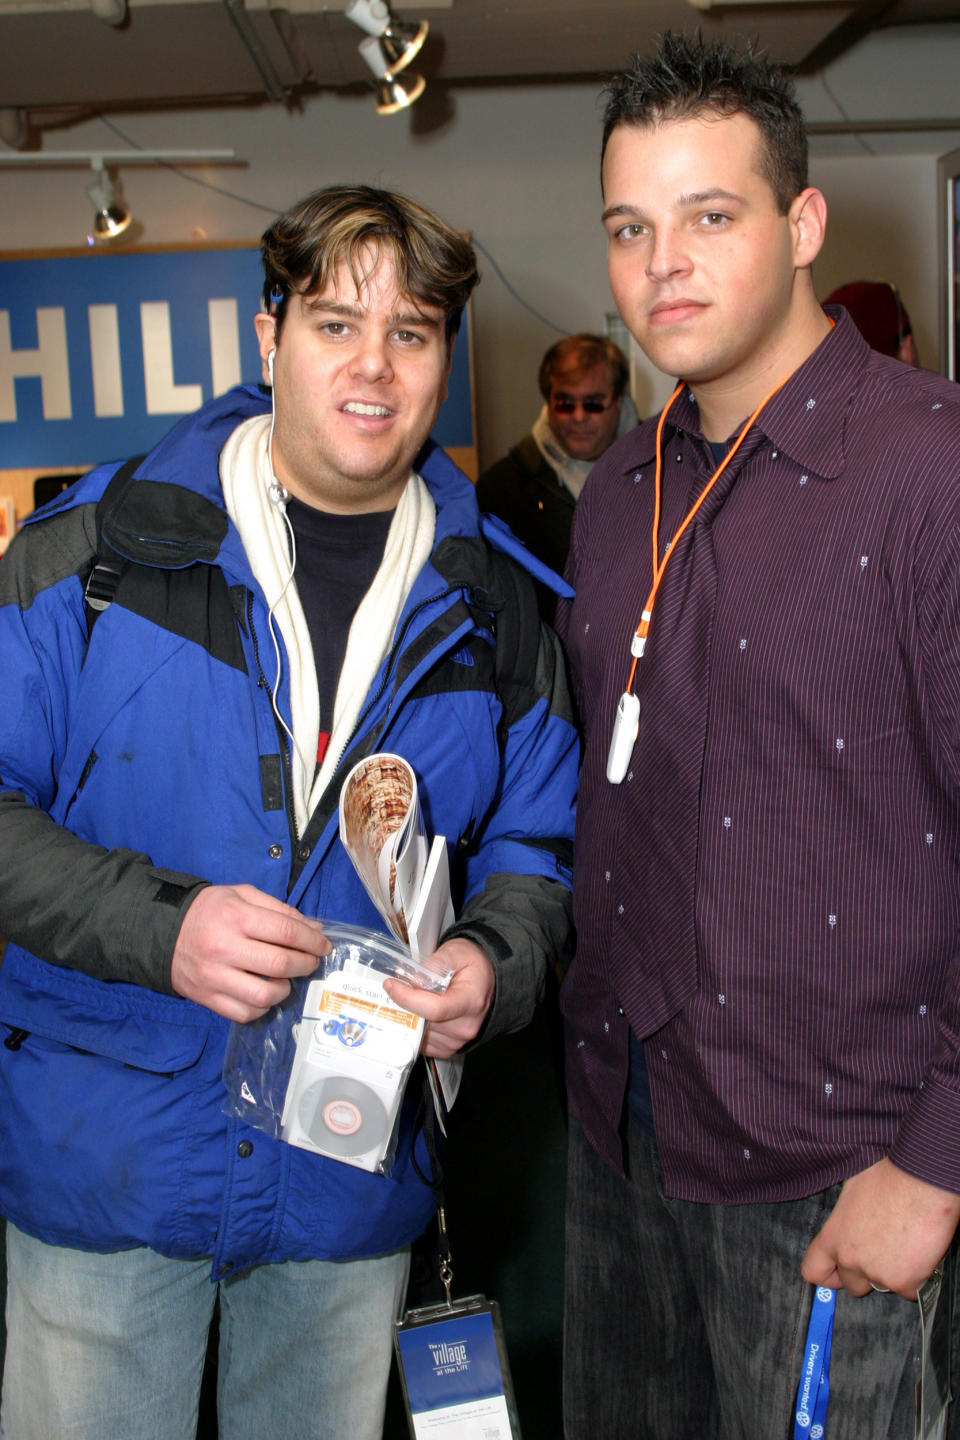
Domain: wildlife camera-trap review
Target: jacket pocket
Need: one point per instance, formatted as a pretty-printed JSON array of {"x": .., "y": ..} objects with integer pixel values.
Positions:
[
  {"x": 120, "y": 1022},
  {"x": 105, "y": 1096}
]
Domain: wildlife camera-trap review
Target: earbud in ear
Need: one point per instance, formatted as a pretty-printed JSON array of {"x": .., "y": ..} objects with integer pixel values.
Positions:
[{"x": 270, "y": 364}]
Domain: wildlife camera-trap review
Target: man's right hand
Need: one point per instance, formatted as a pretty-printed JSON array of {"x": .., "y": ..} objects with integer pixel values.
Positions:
[{"x": 238, "y": 948}]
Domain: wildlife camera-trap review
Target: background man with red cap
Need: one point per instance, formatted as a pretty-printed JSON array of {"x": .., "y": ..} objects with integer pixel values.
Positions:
[{"x": 880, "y": 315}]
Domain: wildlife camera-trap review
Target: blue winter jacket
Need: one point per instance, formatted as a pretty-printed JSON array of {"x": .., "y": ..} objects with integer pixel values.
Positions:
[{"x": 141, "y": 759}]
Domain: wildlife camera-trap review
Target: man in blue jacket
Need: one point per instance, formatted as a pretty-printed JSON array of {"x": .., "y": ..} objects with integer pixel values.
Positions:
[{"x": 294, "y": 578}]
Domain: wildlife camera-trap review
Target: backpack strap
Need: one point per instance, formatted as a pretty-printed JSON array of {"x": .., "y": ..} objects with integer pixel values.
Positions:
[
  {"x": 517, "y": 624},
  {"x": 108, "y": 567},
  {"x": 508, "y": 604}
]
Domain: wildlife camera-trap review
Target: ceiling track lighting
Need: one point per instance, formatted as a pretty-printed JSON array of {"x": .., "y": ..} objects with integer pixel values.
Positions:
[
  {"x": 394, "y": 92},
  {"x": 111, "y": 12},
  {"x": 388, "y": 48},
  {"x": 111, "y": 217},
  {"x": 14, "y": 127}
]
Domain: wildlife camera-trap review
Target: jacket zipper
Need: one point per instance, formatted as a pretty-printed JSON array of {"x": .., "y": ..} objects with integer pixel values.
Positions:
[
  {"x": 321, "y": 807},
  {"x": 282, "y": 738}
]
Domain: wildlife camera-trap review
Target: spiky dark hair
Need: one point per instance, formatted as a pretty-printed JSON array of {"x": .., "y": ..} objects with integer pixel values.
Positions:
[{"x": 686, "y": 76}]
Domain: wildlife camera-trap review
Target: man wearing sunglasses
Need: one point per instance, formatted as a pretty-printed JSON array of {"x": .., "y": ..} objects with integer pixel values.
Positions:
[{"x": 583, "y": 381}]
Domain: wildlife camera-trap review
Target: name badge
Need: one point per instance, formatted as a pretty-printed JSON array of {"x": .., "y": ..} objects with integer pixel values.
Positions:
[{"x": 454, "y": 1371}]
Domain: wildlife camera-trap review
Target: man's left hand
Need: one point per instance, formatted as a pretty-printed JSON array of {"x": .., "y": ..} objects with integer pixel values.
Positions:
[
  {"x": 887, "y": 1231},
  {"x": 454, "y": 1017}
]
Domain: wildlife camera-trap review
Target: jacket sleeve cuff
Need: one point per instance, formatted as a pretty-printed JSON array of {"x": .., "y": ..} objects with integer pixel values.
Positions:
[
  {"x": 158, "y": 914},
  {"x": 523, "y": 924}
]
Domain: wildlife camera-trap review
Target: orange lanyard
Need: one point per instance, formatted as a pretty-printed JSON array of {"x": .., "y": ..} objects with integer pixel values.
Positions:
[{"x": 640, "y": 635}]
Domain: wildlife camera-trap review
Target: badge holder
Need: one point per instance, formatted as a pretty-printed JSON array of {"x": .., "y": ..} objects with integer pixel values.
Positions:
[
  {"x": 453, "y": 1365},
  {"x": 933, "y": 1377}
]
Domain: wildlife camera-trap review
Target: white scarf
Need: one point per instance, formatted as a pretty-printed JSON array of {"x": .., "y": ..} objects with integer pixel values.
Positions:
[{"x": 245, "y": 475}]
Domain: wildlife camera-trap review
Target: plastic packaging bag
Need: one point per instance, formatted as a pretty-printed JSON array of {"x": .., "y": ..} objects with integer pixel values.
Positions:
[{"x": 326, "y": 1069}]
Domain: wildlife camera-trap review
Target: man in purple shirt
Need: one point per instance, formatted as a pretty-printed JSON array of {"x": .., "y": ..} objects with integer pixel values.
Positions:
[{"x": 764, "y": 1014}]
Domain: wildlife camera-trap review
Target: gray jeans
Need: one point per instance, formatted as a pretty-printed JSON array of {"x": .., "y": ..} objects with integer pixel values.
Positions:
[{"x": 687, "y": 1322}]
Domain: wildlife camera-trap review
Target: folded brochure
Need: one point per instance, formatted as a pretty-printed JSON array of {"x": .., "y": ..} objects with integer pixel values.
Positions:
[{"x": 406, "y": 877}]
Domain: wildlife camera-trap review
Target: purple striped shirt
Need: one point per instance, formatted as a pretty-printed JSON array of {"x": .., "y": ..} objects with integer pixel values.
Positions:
[{"x": 771, "y": 898}]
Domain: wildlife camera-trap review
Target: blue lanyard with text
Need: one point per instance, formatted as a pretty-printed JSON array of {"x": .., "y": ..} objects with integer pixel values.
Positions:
[{"x": 813, "y": 1391}]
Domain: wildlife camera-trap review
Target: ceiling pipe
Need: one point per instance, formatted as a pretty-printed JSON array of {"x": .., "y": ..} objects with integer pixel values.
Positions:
[
  {"x": 255, "y": 48},
  {"x": 121, "y": 157}
]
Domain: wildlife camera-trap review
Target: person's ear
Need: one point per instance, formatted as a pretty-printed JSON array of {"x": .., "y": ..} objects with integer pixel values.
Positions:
[
  {"x": 808, "y": 225},
  {"x": 907, "y": 351},
  {"x": 266, "y": 328}
]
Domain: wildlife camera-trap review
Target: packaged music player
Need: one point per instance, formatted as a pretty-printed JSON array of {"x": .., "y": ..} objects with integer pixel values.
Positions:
[
  {"x": 326, "y": 1070},
  {"x": 355, "y": 1049}
]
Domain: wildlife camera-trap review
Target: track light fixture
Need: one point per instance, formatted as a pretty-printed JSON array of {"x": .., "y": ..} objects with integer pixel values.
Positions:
[
  {"x": 111, "y": 12},
  {"x": 110, "y": 219},
  {"x": 394, "y": 92},
  {"x": 14, "y": 127},
  {"x": 388, "y": 48}
]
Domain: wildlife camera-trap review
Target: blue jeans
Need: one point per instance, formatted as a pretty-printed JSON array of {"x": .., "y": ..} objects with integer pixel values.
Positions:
[
  {"x": 112, "y": 1347},
  {"x": 687, "y": 1321}
]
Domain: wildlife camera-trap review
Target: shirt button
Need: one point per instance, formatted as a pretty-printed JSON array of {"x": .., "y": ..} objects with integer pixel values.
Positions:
[
  {"x": 275, "y": 852},
  {"x": 244, "y": 1149},
  {"x": 304, "y": 852}
]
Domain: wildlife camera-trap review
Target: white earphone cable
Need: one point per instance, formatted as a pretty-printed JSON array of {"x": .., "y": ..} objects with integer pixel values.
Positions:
[{"x": 280, "y": 495}]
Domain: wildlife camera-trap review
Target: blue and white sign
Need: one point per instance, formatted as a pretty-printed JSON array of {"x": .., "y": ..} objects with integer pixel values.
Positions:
[{"x": 101, "y": 353}]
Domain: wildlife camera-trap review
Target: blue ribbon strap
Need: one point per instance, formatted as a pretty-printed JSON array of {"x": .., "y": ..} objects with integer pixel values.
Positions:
[{"x": 813, "y": 1391}]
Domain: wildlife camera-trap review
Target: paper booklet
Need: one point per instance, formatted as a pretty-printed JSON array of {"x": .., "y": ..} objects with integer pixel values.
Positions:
[{"x": 406, "y": 875}]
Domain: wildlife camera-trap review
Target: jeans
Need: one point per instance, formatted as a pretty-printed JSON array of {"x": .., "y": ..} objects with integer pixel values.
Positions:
[
  {"x": 112, "y": 1347},
  {"x": 686, "y": 1321}
]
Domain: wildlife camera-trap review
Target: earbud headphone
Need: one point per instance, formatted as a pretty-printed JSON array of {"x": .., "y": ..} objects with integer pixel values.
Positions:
[{"x": 278, "y": 493}]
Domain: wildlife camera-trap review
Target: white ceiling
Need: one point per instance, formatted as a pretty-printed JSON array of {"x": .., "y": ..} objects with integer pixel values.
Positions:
[{"x": 58, "y": 62}]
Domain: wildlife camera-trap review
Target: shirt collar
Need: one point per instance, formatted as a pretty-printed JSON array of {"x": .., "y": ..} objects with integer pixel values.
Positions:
[{"x": 805, "y": 420}]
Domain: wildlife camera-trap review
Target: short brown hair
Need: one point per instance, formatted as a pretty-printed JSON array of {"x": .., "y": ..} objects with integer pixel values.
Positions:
[
  {"x": 300, "y": 251},
  {"x": 581, "y": 352}
]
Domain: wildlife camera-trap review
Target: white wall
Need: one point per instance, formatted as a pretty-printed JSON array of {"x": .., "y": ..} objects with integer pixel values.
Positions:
[
  {"x": 882, "y": 226},
  {"x": 518, "y": 167}
]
